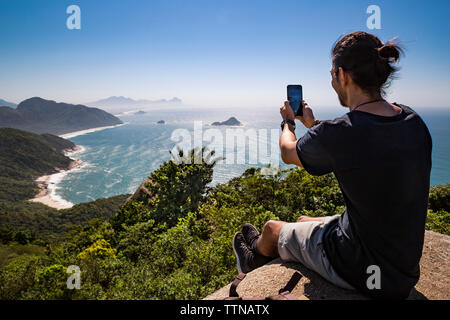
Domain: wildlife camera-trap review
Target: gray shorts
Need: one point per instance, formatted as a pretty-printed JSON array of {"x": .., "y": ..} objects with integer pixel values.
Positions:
[{"x": 302, "y": 242}]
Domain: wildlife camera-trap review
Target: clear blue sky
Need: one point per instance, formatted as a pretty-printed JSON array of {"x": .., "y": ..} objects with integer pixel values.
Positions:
[{"x": 212, "y": 53}]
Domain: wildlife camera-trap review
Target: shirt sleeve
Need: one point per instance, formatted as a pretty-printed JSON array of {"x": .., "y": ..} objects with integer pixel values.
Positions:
[{"x": 313, "y": 156}]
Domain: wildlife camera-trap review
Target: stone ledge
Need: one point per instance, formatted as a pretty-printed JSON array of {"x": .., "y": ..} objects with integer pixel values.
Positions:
[{"x": 434, "y": 281}]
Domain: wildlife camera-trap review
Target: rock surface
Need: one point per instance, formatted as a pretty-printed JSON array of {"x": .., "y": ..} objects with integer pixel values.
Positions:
[
  {"x": 142, "y": 193},
  {"x": 434, "y": 281}
]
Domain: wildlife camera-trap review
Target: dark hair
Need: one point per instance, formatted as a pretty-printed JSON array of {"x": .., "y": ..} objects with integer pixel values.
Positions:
[{"x": 367, "y": 59}]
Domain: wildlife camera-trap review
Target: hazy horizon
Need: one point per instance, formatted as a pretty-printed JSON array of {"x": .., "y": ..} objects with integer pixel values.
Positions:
[{"x": 336, "y": 106}]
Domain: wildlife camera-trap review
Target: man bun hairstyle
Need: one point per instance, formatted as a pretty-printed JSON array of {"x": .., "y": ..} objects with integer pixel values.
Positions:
[
  {"x": 389, "y": 51},
  {"x": 367, "y": 59}
]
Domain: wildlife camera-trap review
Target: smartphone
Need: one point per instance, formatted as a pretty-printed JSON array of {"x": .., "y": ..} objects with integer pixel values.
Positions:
[{"x": 295, "y": 97}]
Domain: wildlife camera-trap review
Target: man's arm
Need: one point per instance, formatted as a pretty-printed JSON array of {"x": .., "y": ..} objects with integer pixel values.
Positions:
[
  {"x": 288, "y": 146},
  {"x": 288, "y": 141}
]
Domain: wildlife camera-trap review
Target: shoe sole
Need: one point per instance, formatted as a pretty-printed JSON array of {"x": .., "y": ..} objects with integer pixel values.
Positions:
[{"x": 238, "y": 262}]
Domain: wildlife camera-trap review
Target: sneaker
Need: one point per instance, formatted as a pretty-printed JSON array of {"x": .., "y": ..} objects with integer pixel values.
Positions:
[
  {"x": 244, "y": 255},
  {"x": 250, "y": 234}
]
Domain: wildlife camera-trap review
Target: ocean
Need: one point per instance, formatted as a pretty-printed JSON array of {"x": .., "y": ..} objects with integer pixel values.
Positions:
[{"x": 117, "y": 160}]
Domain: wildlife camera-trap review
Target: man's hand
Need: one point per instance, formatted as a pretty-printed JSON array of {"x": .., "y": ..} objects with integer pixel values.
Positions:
[
  {"x": 308, "y": 118},
  {"x": 286, "y": 111},
  {"x": 308, "y": 219}
]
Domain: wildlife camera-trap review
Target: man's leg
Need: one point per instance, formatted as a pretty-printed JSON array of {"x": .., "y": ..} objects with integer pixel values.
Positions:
[
  {"x": 267, "y": 243},
  {"x": 303, "y": 242},
  {"x": 257, "y": 253}
]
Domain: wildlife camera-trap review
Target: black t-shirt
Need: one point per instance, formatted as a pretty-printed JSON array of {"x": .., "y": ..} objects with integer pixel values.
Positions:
[{"x": 383, "y": 168}]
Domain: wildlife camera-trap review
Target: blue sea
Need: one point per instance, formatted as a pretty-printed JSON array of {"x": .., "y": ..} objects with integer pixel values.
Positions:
[{"x": 117, "y": 160}]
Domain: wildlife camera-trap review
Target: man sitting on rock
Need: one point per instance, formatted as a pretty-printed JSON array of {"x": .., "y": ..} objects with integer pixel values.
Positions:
[{"x": 380, "y": 153}]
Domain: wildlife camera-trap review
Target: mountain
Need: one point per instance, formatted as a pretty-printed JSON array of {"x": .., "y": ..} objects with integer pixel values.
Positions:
[
  {"x": 114, "y": 101},
  {"x": 122, "y": 104},
  {"x": 24, "y": 156},
  {"x": 4, "y": 103},
  {"x": 45, "y": 116}
]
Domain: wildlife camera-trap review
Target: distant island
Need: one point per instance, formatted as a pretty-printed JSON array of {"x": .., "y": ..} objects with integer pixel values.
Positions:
[
  {"x": 140, "y": 112},
  {"x": 230, "y": 122},
  {"x": 161, "y": 122},
  {"x": 45, "y": 116}
]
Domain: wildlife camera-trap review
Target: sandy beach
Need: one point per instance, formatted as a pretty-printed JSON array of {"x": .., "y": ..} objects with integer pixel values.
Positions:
[
  {"x": 81, "y": 132},
  {"x": 47, "y": 184}
]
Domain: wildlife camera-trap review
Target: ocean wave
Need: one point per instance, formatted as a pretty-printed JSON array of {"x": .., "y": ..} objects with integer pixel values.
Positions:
[
  {"x": 53, "y": 187},
  {"x": 56, "y": 178}
]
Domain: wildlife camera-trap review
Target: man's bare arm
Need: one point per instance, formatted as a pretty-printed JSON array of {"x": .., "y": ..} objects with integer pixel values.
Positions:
[
  {"x": 288, "y": 140},
  {"x": 288, "y": 146}
]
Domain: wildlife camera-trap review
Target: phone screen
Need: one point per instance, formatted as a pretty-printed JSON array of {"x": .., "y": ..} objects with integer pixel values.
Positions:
[{"x": 295, "y": 97}]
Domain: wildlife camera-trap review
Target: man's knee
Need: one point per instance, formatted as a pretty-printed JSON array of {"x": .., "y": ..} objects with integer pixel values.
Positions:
[{"x": 273, "y": 227}]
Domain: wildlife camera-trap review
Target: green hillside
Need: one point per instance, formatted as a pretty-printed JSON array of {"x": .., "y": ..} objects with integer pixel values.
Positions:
[
  {"x": 24, "y": 156},
  {"x": 139, "y": 254},
  {"x": 36, "y": 221}
]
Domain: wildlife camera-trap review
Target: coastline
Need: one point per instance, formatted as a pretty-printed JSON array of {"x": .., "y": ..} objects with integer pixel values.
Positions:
[
  {"x": 81, "y": 132},
  {"x": 47, "y": 184}
]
